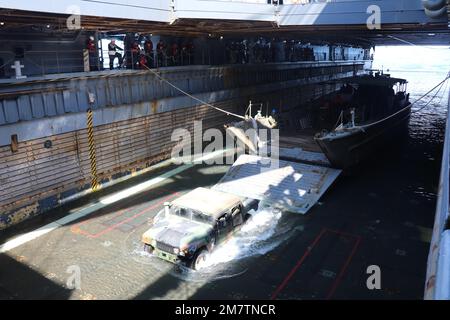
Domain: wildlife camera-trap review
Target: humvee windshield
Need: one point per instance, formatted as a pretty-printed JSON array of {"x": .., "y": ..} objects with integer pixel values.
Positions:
[{"x": 191, "y": 215}]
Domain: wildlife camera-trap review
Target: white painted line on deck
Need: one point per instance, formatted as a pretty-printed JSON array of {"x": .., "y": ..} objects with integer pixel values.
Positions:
[
  {"x": 14, "y": 243},
  {"x": 144, "y": 185},
  {"x": 118, "y": 180},
  {"x": 26, "y": 237}
]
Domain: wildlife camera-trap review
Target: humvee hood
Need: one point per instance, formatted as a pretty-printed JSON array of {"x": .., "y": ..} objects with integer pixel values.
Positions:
[{"x": 178, "y": 231}]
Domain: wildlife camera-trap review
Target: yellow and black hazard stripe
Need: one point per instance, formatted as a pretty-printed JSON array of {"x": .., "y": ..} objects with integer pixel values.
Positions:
[{"x": 92, "y": 157}]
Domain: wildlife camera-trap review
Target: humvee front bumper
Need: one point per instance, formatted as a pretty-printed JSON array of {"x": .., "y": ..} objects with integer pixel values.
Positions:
[{"x": 166, "y": 256}]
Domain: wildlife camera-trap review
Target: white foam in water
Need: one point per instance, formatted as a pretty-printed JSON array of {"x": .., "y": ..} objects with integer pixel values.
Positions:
[
  {"x": 248, "y": 241},
  {"x": 260, "y": 234}
]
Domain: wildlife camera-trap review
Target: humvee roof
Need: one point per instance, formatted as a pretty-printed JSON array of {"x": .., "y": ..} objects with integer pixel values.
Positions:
[{"x": 207, "y": 201}]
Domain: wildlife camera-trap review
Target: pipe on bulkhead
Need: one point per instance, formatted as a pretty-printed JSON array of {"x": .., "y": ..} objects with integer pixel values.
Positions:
[{"x": 435, "y": 8}]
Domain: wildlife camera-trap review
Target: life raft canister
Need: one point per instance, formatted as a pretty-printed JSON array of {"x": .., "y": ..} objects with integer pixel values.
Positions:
[{"x": 435, "y": 8}]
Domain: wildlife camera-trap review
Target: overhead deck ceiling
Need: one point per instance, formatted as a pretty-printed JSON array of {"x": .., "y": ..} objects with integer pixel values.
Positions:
[{"x": 390, "y": 34}]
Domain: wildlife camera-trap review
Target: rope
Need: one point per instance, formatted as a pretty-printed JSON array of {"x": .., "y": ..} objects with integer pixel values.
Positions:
[
  {"x": 429, "y": 102},
  {"x": 426, "y": 94},
  {"x": 9, "y": 61},
  {"x": 191, "y": 96},
  {"x": 440, "y": 85},
  {"x": 443, "y": 93},
  {"x": 412, "y": 44},
  {"x": 362, "y": 127}
]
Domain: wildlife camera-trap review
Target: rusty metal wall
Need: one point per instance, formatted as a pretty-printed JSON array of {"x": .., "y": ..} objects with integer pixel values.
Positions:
[{"x": 35, "y": 173}]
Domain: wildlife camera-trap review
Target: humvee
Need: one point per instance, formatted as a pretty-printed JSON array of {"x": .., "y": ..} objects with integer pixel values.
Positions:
[{"x": 190, "y": 227}]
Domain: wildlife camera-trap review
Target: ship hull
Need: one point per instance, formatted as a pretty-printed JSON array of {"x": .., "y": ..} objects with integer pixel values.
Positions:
[{"x": 349, "y": 150}]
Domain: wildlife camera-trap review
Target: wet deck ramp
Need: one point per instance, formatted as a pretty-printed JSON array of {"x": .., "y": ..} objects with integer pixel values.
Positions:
[{"x": 292, "y": 186}]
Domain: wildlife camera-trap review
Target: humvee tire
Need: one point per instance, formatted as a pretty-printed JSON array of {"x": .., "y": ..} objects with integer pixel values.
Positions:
[
  {"x": 148, "y": 248},
  {"x": 199, "y": 258}
]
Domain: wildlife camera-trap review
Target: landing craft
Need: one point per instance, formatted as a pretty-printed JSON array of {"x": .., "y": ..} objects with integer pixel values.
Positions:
[{"x": 377, "y": 114}]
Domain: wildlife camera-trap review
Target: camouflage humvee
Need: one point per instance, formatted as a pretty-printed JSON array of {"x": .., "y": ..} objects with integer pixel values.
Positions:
[{"x": 190, "y": 227}]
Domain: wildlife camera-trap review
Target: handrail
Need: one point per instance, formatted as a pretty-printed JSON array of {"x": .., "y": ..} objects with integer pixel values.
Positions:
[{"x": 43, "y": 62}]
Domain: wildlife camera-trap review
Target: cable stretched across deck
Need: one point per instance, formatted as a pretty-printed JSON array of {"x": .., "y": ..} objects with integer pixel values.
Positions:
[
  {"x": 191, "y": 96},
  {"x": 440, "y": 85}
]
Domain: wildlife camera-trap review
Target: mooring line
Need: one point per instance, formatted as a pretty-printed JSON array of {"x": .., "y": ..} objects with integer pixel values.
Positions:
[
  {"x": 191, "y": 96},
  {"x": 440, "y": 85}
]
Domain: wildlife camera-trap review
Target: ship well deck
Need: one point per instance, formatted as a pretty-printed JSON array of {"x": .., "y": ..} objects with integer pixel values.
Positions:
[{"x": 322, "y": 255}]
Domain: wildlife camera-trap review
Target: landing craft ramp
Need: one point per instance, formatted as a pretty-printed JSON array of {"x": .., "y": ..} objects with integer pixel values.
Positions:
[{"x": 290, "y": 186}]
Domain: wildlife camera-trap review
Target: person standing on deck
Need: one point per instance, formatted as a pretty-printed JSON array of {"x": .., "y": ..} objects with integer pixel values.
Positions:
[
  {"x": 190, "y": 52},
  {"x": 174, "y": 54},
  {"x": 93, "y": 54},
  {"x": 161, "y": 53},
  {"x": 113, "y": 54},
  {"x": 148, "y": 48},
  {"x": 184, "y": 54},
  {"x": 135, "y": 51}
]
